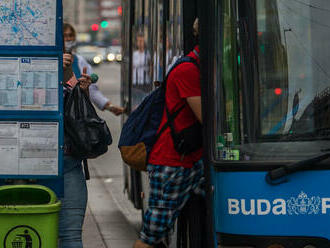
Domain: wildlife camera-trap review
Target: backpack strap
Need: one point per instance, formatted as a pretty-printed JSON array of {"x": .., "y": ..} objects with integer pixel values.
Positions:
[
  {"x": 186, "y": 59},
  {"x": 171, "y": 117}
]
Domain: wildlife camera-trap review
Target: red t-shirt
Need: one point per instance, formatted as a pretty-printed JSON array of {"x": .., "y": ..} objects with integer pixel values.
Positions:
[{"x": 183, "y": 82}]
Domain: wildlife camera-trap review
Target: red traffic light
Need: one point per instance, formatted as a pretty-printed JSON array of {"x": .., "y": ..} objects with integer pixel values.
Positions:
[
  {"x": 95, "y": 27},
  {"x": 120, "y": 10},
  {"x": 278, "y": 91}
]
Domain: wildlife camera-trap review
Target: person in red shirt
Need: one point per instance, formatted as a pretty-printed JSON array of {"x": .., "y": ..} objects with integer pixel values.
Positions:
[{"x": 173, "y": 176}]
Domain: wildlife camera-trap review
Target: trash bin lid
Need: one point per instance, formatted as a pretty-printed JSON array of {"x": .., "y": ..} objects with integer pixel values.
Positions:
[{"x": 28, "y": 199}]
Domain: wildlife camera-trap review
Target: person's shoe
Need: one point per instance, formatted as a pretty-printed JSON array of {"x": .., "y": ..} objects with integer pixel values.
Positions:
[{"x": 140, "y": 244}]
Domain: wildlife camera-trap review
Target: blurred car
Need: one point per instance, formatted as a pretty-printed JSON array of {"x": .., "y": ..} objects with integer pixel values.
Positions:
[
  {"x": 92, "y": 54},
  {"x": 114, "y": 54}
]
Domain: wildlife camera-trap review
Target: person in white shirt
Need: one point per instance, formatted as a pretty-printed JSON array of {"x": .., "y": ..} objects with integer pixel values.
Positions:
[
  {"x": 141, "y": 65},
  {"x": 96, "y": 96}
]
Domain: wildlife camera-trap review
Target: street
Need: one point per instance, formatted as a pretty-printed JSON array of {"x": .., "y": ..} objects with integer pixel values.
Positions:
[{"x": 111, "y": 221}]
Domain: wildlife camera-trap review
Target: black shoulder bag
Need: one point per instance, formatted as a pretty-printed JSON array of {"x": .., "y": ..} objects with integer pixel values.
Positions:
[
  {"x": 86, "y": 134},
  {"x": 189, "y": 139}
]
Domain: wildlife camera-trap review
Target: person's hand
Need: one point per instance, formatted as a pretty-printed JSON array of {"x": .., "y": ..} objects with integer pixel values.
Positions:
[
  {"x": 116, "y": 110},
  {"x": 85, "y": 80},
  {"x": 67, "y": 60}
]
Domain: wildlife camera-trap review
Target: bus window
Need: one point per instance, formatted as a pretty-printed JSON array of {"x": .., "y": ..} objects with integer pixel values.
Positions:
[
  {"x": 225, "y": 76},
  {"x": 174, "y": 44},
  {"x": 280, "y": 113},
  {"x": 141, "y": 58},
  {"x": 178, "y": 28},
  {"x": 170, "y": 35},
  {"x": 158, "y": 70},
  {"x": 125, "y": 52},
  {"x": 148, "y": 42}
]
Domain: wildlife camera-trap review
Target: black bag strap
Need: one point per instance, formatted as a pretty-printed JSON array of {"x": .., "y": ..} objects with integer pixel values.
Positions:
[
  {"x": 86, "y": 170},
  {"x": 169, "y": 123},
  {"x": 171, "y": 117}
]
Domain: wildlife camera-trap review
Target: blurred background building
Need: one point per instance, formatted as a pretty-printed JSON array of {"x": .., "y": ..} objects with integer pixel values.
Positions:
[{"x": 95, "y": 20}]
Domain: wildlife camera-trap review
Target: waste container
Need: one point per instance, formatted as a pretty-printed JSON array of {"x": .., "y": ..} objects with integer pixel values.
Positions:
[{"x": 28, "y": 217}]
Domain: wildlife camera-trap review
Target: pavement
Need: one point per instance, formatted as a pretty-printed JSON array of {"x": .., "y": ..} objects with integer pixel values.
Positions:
[{"x": 111, "y": 220}]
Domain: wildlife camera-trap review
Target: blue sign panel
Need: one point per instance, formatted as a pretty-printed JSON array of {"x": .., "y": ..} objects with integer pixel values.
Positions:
[{"x": 246, "y": 205}]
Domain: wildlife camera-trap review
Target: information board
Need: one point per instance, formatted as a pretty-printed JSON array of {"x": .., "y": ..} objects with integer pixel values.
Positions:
[
  {"x": 31, "y": 93},
  {"x": 28, "y": 22}
]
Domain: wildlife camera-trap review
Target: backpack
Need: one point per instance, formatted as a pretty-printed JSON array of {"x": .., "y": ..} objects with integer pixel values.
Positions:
[
  {"x": 139, "y": 132},
  {"x": 86, "y": 134}
]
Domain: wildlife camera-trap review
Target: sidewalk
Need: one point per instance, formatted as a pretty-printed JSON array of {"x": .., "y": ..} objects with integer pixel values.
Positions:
[
  {"x": 105, "y": 224},
  {"x": 111, "y": 220}
]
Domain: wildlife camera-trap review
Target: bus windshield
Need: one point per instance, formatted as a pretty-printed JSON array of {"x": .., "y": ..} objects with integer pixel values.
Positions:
[{"x": 282, "y": 112}]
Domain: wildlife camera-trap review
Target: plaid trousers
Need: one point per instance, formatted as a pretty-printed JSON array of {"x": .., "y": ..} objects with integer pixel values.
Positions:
[{"x": 170, "y": 189}]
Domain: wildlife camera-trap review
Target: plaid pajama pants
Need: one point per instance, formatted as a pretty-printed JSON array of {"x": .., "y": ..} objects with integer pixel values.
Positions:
[{"x": 170, "y": 189}]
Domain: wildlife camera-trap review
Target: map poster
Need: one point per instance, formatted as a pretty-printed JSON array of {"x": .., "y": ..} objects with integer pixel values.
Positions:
[
  {"x": 29, "y": 83},
  {"x": 29, "y": 148},
  {"x": 28, "y": 22}
]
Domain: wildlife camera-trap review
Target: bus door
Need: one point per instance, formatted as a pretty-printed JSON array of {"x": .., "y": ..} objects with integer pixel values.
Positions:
[
  {"x": 266, "y": 90},
  {"x": 125, "y": 67},
  {"x": 137, "y": 56},
  {"x": 153, "y": 27}
]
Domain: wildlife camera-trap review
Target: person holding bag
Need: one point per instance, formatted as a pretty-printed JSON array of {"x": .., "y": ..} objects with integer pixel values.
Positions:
[{"x": 75, "y": 190}]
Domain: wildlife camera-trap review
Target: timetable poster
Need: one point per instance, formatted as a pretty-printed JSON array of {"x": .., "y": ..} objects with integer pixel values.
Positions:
[
  {"x": 29, "y": 83},
  {"x": 29, "y": 148}
]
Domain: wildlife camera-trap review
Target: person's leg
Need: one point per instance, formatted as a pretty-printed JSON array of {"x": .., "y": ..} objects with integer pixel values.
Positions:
[
  {"x": 170, "y": 189},
  {"x": 73, "y": 205}
]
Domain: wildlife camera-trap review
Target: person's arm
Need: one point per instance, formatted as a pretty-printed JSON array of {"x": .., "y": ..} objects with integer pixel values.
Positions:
[
  {"x": 188, "y": 84},
  {"x": 102, "y": 102},
  {"x": 195, "y": 103},
  {"x": 116, "y": 110},
  {"x": 67, "y": 67},
  {"x": 96, "y": 96},
  {"x": 82, "y": 63}
]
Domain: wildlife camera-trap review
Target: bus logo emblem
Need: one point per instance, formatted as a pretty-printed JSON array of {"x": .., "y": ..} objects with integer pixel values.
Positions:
[{"x": 304, "y": 205}]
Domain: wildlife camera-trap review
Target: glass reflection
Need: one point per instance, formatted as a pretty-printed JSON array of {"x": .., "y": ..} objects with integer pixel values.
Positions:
[{"x": 281, "y": 110}]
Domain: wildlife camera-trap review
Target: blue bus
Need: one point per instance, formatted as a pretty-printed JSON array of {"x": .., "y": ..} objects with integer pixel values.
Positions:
[{"x": 266, "y": 111}]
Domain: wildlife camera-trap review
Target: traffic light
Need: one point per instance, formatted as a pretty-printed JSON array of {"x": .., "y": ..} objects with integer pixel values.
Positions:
[
  {"x": 120, "y": 10},
  {"x": 95, "y": 27},
  {"x": 104, "y": 24},
  {"x": 278, "y": 91}
]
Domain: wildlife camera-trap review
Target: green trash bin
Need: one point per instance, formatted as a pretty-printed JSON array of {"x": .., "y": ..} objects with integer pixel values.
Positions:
[{"x": 28, "y": 217}]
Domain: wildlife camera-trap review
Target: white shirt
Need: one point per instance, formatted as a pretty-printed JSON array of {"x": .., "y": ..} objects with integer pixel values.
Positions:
[
  {"x": 95, "y": 94},
  {"x": 141, "y": 61}
]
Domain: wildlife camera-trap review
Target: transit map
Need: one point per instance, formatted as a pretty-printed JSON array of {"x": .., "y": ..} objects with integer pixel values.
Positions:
[{"x": 28, "y": 22}]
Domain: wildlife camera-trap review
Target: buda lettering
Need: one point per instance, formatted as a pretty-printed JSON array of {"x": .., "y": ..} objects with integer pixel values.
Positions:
[{"x": 301, "y": 205}]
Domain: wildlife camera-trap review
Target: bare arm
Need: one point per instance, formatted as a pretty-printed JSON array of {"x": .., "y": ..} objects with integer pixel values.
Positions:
[
  {"x": 195, "y": 103},
  {"x": 67, "y": 67},
  {"x": 116, "y": 110}
]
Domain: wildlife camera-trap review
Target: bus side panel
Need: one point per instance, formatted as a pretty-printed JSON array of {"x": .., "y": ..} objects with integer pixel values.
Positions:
[{"x": 246, "y": 205}]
